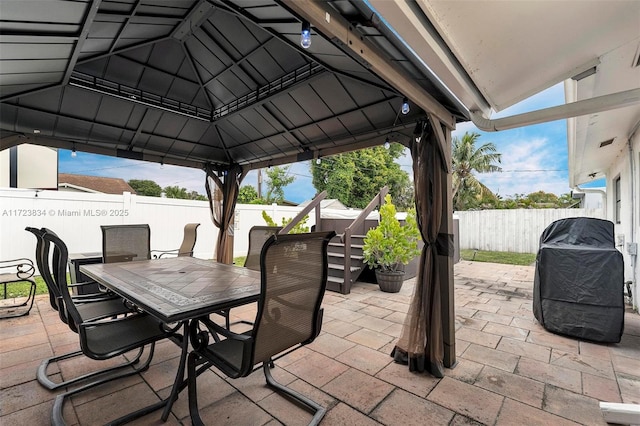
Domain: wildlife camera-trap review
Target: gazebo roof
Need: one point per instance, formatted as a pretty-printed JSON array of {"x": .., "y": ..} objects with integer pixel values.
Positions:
[{"x": 195, "y": 82}]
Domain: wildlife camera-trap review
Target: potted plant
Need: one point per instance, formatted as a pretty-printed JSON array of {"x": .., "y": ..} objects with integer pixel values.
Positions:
[{"x": 390, "y": 245}]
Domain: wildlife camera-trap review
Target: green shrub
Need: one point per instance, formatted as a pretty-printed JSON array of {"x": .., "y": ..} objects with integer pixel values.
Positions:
[
  {"x": 300, "y": 227},
  {"x": 391, "y": 244}
]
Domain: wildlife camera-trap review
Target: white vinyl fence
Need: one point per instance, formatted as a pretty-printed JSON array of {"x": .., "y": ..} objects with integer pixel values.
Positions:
[
  {"x": 516, "y": 231},
  {"x": 76, "y": 218}
]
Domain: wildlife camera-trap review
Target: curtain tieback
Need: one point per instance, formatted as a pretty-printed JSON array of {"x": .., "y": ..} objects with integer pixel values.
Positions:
[{"x": 443, "y": 245}]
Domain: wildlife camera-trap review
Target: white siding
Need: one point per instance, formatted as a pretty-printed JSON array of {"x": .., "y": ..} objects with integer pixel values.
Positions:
[{"x": 628, "y": 230}]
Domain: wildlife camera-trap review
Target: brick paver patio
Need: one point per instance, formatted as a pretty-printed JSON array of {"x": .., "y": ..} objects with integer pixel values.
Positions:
[{"x": 510, "y": 370}]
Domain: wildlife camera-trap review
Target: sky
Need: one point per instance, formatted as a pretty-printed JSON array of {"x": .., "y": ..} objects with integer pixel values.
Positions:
[{"x": 534, "y": 158}]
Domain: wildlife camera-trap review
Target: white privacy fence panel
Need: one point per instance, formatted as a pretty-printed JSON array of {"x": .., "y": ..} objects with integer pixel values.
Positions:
[
  {"x": 76, "y": 218},
  {"x": 516, "y": 231}
]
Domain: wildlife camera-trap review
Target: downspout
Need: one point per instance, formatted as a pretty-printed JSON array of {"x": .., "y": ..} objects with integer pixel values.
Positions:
[
  {"x": 632, "y": 247},
  {"x": 596, "y": 191},
  {"x": 560, "y": 112}
]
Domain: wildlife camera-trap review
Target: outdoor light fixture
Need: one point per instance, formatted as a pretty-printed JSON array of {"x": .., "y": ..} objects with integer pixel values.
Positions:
[
  {"x": 162, "y": 163},
  {"x": 405, "y": 106},
  {"x": 386, "y": 143},
  {"x": 318, "y": 160},
  {"x": 74, "y": 154},
  {"x": 305, "y": 35}
]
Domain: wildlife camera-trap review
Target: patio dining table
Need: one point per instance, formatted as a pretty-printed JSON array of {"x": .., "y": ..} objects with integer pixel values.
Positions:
[{"x": 177, "y": 291}]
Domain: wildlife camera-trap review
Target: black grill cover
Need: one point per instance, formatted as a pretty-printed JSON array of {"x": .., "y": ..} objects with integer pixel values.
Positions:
[{"x": 578, "y": 286}]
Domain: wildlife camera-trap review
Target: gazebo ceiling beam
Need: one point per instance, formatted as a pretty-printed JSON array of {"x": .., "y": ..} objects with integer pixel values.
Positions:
[{"x": 368, "y": 140}]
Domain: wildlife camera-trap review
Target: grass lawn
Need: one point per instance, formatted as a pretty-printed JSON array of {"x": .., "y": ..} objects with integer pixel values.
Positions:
[
  {"x": 498, "y": 257},
  {"x": 22, "y": 289}
]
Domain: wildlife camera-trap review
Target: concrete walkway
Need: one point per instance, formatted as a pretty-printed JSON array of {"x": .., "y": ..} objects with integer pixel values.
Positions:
[{"x": 510, "y": 370}]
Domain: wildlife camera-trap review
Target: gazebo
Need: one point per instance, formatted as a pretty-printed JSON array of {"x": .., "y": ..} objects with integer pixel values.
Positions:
[
  {"x": 226, "y": 86},
  {"x": 234, "y": 85}
]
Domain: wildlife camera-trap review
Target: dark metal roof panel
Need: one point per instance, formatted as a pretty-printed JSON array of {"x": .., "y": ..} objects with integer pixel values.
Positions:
[{"x": 191, "y": 82}]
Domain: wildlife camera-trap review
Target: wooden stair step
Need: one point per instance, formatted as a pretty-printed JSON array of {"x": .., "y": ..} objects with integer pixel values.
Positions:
[
  {"x": 339, "y": 267},
  {"x": 341, "y": 255},
  {"x": 342, "y": 245}
]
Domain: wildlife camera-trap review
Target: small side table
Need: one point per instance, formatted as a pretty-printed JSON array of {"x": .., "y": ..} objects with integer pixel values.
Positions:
[{"x": 75, "y": 261}]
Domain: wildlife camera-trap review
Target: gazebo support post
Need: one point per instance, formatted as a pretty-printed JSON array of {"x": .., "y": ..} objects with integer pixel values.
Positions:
[{"x": 445, "y": 260}]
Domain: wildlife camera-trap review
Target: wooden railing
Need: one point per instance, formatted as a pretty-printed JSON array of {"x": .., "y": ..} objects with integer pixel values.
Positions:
[
  {"x": 314, "y": 204},
  {"x": 359, "y": 221}
]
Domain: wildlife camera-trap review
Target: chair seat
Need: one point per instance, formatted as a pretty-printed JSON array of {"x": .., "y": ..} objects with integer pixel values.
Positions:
[
  {"x": 228, "y": 350},
  {"x": 102, "y": 341}
]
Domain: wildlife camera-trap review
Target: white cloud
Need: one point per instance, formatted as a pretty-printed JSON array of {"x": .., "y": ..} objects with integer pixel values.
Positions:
[{"x": 528, "y": 165}]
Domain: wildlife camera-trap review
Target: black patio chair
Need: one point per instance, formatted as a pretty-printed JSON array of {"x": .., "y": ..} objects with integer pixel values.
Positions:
[
  {"x": 122, "y": 243},
  {"x": 102, "y": 338},
  {"x": 15, "y": 271},
  {"x": 258, "y": 235},
  {"x": 186, "y": 248},
  {"x": 293, "y": 272},
  {"x": 89, "y": 306}
]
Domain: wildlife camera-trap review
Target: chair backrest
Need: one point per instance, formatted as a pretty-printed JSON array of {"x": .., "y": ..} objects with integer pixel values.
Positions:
[
  {"x": 293, "y": 282},
  {"x": 58, "y": 276},
  {"x": 122, "y": 243},
  {"x": 42, "y": 261},
  {"x": 258, "y": 235},
  {"x": 189, "y": 239}
]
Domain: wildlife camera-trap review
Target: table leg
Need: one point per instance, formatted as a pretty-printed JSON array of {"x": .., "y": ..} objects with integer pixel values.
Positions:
[{"x": 178, "y": 383}]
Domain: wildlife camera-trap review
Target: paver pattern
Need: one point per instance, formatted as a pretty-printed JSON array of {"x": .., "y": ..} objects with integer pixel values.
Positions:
[{"x": 510, "y": 370}]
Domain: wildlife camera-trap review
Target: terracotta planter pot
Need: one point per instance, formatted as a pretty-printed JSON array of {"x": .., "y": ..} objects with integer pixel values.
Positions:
[{"x": 390, "y": 282}]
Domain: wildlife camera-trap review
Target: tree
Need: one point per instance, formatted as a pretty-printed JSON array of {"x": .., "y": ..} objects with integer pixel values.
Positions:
[
  {"x": 356, "y": 177},
  {"x": 277, "y": 179},
  {"x": 247, "y": 194},
  {"x": 145, "y": 187},
  {"x": 541, "y": 200},
  {"x": 466, "y": 159},
  {"x": 182, "y": 193}
]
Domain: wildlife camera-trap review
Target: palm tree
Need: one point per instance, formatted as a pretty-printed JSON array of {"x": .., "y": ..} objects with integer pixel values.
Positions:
[{"x": 466, "y": 159}]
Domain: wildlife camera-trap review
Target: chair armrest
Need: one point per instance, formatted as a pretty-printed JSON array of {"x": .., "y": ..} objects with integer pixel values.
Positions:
[
  {"x": 163, "y": 252},
  {"x": 86, "y": 283},
  {"x": 109, "y": 319},
  {"x": 95, "y": 297},
  {"x": 102, "y": 294},
  {"x": 218, "y": 329}
]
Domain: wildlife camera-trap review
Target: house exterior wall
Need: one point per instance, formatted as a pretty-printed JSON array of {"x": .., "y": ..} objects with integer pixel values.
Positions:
[
  {"x": 37, "y": 167},
  {"x": 627, "y": 231}
]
